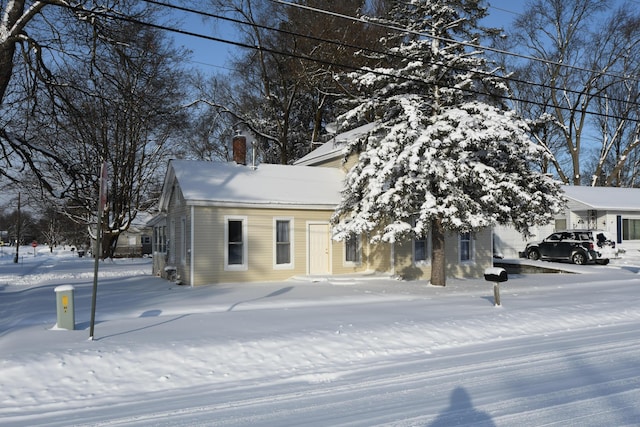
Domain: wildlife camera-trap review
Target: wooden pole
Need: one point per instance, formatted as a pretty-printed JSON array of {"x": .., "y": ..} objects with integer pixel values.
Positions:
[
  {"x": 18, "y": 231},
  {"x": 496, "y": 294},
  {"x": 102, "y": 198}
]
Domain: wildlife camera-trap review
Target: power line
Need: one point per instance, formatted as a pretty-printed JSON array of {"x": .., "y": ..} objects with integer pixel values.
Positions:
[
  {"x": 318, "y": 60},
  {"x": 356, "y": 47},
  {"x": 468, "y": 44}
]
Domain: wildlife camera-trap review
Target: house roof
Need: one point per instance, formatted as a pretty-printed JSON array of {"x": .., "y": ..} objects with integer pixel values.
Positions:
[
  {"x": 605, "y": 198},
  {"x": 229, "y": 184},
  {"x": 333, "y": 148}
]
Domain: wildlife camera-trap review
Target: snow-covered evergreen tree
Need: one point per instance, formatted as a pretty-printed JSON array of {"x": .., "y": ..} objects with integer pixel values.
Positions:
[{"x": 444, "y": 156}]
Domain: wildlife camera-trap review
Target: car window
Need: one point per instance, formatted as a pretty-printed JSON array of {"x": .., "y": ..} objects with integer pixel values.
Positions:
[
  {"x": 584, "y": 236},
  {"x": 555, "y": 236}
]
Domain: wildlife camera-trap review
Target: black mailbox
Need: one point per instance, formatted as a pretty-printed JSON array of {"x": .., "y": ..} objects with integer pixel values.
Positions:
[{"x": 495, "y": 274}]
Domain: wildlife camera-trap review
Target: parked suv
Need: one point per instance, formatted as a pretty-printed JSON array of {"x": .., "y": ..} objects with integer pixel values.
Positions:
[{"x": 577, "y": 246}]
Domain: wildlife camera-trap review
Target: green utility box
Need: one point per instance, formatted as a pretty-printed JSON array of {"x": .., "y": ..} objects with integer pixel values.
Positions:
[{"x": 65, "y": 309}]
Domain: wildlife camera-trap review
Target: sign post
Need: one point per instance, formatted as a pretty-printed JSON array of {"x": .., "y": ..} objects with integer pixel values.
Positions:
[{"x": 102, "y": 202}]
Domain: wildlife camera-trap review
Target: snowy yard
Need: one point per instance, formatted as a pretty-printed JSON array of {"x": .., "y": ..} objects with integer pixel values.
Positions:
[{"x": 563, "y": 350}]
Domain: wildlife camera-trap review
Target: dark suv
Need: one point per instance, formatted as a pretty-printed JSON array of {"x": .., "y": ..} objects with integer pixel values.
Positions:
[{"x": 577, "y": 246}]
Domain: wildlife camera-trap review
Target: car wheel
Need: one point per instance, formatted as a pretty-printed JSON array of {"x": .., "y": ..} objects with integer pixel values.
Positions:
[
  {"x": 579, "y": 258},
  {"x": 533, "y": 254}
]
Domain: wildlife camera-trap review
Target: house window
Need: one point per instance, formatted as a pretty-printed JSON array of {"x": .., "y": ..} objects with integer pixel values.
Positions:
[
  {"x": 171, "y": 243},
  {"x": 466, "y": 247},
  {"x": 353, "y": 249},
  {"x": 421, "y": 250},
  {"x": 283, "y": 242},
  {"x": 160, "y": 237},
  {"x": 235, "y": 243},
  {"x": 631, "y": 229}
]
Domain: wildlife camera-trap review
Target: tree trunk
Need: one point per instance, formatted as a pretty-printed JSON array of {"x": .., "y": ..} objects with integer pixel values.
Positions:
[
  {"x": 109, "y": 242},
  {"x": 438, "y": 261}
]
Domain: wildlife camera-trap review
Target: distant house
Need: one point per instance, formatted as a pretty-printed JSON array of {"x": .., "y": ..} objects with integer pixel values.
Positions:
[
  {"x": 228, "y": 222},
  {"x": 134, "y": 242},
  {"x": 612, "y": 209}
]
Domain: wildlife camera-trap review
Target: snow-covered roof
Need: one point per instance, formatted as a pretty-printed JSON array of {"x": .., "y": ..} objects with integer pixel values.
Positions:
[
  {"x": 332, "y": 149},
  {"x": 605, "y": 198},
  {"x": 229, "y": 184}
]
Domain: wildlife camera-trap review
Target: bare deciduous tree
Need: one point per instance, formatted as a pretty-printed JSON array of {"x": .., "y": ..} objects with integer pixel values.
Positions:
[
  {"x": 121, "y": 105},
  {"x": 578, "y": 81},
  {"x": 283, "y": 91},
  {"x": 33, "y": 36}
]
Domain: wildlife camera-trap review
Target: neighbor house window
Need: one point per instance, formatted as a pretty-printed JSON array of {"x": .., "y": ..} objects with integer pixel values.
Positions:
[
  {"x": 466, "y": 247},
  {"x": 631, "y": 229},
  {"x": 235, "y": 243},
  {"x": 352, "y": 250},
  {"x": 283, "y": 231}
]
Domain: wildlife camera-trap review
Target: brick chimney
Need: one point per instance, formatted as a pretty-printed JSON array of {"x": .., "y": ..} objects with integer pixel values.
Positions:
[{"x": 240, "y": 149}]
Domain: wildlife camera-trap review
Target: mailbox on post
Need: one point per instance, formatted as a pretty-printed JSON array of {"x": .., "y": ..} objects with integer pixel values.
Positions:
[
  {"x": 66, "y": 318},
  {"x": 496, "y": 275}
]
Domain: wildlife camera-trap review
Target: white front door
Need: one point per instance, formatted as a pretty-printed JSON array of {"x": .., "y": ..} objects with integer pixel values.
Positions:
[{"x": 319, "y": 249}]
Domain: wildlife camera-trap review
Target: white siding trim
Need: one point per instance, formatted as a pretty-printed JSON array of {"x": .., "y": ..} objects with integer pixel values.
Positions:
[
  {"x": 191, "y": 249},
  {"x": 183, "y": 240}
]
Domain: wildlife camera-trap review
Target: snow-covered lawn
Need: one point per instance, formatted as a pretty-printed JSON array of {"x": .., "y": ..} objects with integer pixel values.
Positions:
[{"x": 563, "y": 350}]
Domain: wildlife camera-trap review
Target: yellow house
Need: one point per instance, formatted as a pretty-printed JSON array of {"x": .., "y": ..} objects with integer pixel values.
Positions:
[{"x": 223, "y": 222}]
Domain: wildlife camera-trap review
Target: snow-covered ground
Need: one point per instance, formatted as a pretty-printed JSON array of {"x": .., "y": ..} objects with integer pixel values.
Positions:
[{"x": 562, "y": 350}]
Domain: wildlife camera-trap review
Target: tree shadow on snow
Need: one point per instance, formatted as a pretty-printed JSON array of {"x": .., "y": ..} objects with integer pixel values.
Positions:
[
  {"x": 272, "y": 294},
  {"x": 462, "y": 412},
  {"x": 146, "y": 314}
]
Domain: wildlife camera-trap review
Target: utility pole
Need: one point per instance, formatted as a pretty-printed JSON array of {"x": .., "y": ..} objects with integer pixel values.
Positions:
[
  {"x": 102, "y": 201},
  {"x": 18, "y": 226}
]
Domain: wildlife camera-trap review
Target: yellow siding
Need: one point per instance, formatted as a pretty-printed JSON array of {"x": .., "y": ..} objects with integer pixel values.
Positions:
[
  {"x": 207, "y": 251},
  {"x": 482, "y": 258},
  {"x": 483, "y": 255},
  {"x": 205, "y": 255},
  {"x": 210, "y": 241}
]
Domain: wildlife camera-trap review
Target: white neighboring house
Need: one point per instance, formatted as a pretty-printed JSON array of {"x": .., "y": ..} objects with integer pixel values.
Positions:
[{"x": 612, "y": 209}]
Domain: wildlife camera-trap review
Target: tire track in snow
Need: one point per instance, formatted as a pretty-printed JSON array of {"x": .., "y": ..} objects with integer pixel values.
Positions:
[{"x": 417, "y": 390}]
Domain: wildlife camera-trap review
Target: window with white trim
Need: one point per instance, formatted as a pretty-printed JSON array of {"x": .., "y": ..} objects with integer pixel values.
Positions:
[
  {"x": 160, "y": 238},
  {"x": 421, "y": 251},
  {"x": 283, "y": 242},
  {"x": 353, "y": 250},
  {"x": 235, "y": 240},
  {"x": 466, "y": 247}
]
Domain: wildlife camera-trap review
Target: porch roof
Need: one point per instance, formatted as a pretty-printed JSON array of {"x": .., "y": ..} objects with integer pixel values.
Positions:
[
  {"x": 333, "y": 149},
  {"x": 605, "y": 198}
]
